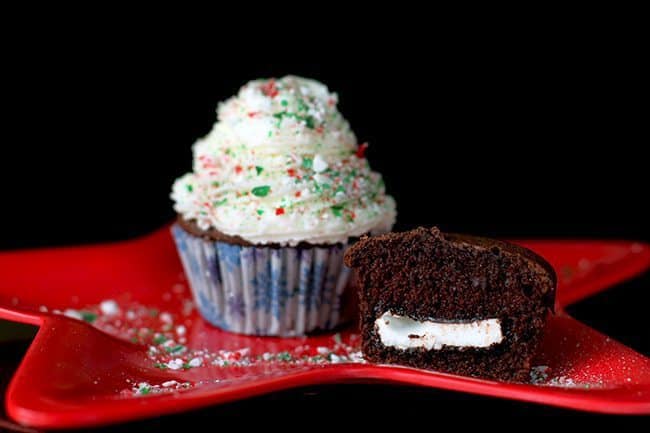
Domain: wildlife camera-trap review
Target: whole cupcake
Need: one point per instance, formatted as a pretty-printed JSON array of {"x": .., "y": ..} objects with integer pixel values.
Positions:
[{"x": 280, "y": 187}]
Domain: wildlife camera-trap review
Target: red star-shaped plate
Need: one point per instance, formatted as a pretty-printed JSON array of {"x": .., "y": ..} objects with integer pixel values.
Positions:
[{"x": 119, "y": 340}]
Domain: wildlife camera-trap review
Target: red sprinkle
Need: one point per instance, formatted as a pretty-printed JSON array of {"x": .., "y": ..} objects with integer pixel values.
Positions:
[
  {"x": 319, "y": 129},
  {"x": 269, "y": 89},
  {"x": 298, "y": 193},
  {"x": 238, "y": 169},
  {"x": 330, "y": 102},
  {"x": 279, "y": 211},
  {"x": 253, "y": 113},
  {"x": 361, "y": 151},
  {"x": 291, "y": 172}
]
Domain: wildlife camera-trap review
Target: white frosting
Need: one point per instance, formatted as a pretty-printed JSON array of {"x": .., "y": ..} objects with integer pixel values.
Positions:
[
  {"x": 405, "y": 333},
  {"x": 281, "y": 165}
]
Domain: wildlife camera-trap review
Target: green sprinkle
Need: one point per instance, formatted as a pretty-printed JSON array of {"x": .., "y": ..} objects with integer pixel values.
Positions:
[
  {"x": 216, "y": 184},
  {"x": 186, "y": 366},
  {"x": 309, "y": 120},
  {"x": 159, "y": 339},
  {"x": 340, "y": 188},
  {"x": 326, "y": 186},
  {"x": 307, "y": 162},
  {"x": 189, "y": 187},
  {"x": 88, "y": 316},
  {"x": 161, "y": 366},
  {"x": 337, "y": 338},
  {"x": 259, "y": 169},
  {"x": 227, "y": 151},
  {"x": 261, "y": 191},
  {"x": 337, "y": 209},
  {"x": 260, "y": 211},
  {"x": 302, "y": 106},
  {"x": 279, "y": 117},
  {"x": 144, "y": 390},
  {"x": 284, "y": 103},
  {"x": 220, "y": 202},
  {"x": 284, "y": 356},
  {"x": 153, "y": 312},
  {"x": 175, "y": 349},
  {"x": 270, "y": 134},
  {"x": 134, "y": 339}
]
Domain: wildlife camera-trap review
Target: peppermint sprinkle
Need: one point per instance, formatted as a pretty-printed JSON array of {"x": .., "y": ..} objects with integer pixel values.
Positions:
[
  {"x": 109, "y": 307},
  {"x": 143, "y": 388},
  {"x": 73, "y": 314},
  {"x": 319, "y": 164},
  {"x": 337, "y": 210},
  {"x": 361, "y": 151},
  {"x": 175, "y": 364},
  {"x": 261, "y": 191},
  {"x": 195, "y": 362}
]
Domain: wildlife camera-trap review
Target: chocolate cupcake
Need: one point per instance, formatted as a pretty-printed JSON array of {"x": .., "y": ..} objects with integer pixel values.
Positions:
[{"x": 279, "y": 189}]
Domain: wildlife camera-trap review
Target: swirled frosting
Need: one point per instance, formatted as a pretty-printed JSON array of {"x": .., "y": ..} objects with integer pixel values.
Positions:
[{"x": 281, "y": 165}]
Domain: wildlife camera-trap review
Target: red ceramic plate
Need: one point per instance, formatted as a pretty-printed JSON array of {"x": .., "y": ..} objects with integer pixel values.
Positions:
[{"x": 145, "y": 351}]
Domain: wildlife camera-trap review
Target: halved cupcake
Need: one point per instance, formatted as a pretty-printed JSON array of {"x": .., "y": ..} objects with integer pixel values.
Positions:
[{"x": 454, "y": 303}]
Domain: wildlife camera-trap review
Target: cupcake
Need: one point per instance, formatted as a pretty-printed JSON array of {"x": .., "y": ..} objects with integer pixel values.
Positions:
[{"x": 280, "y": 188}]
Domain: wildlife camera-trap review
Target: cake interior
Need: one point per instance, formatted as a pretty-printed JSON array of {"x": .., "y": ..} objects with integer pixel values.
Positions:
[{"x": 452, "y": 303}]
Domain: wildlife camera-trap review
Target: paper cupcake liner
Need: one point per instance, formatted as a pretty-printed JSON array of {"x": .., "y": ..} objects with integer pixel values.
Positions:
[{"x": 252, "y": 290}]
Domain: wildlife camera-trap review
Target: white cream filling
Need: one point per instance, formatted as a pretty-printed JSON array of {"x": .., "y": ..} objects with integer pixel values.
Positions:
[{"x": 405, "y": 333}]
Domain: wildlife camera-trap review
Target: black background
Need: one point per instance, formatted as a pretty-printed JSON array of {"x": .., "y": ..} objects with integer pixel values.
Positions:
[
  {"x": 509, "y": 136},
  {"x": 495, "y": 136}
]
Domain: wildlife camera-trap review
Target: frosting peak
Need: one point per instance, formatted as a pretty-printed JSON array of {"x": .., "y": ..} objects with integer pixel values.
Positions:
[{"x": 281, "y": 165}]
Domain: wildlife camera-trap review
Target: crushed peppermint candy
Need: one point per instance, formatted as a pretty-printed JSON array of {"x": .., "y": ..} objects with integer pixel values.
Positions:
[
  {"x": 175, "y": 364},
  {"x": 109, "y": 307},
  {"x": 162, "y": 335},
  {"x": 195, "y": 362}
]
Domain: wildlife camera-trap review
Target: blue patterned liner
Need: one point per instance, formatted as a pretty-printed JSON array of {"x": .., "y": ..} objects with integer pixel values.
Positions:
[{"x": 264, "y": 291}]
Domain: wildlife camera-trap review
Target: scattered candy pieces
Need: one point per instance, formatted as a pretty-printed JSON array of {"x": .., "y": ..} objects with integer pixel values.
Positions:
[
  {"x": 163, "y": 336},
  {"x": 109, "y": 307}
]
